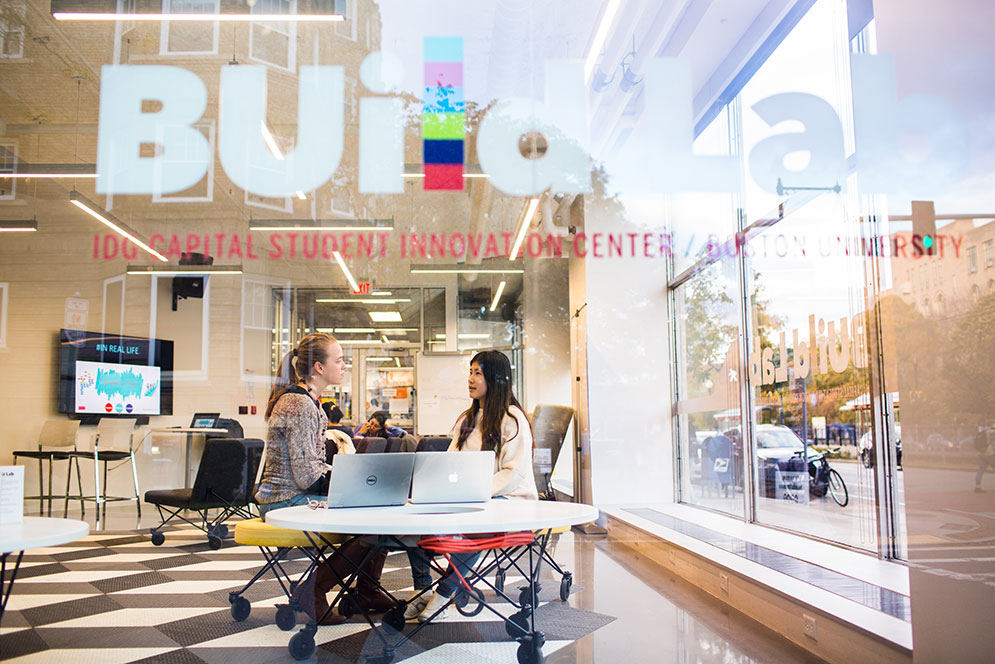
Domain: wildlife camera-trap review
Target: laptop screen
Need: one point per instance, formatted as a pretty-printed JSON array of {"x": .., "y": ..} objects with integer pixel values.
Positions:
[{"x": 204, "y": 420}]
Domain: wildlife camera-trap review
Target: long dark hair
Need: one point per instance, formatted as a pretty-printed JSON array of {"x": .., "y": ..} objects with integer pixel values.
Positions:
[
  {"x": 298, "y": 364},
  {"x": 499, "y": 399}
]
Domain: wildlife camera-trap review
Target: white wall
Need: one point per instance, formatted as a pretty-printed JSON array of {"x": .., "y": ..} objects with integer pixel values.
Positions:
[{"x": 628, "y": 362}]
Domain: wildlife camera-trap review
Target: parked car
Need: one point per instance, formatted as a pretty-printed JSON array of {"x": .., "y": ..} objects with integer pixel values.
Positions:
[
  {"x": 777, "y": 443},
  {"x": 866, "y": 446}
]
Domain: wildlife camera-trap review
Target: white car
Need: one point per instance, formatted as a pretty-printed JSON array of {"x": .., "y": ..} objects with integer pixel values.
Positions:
[{"x": 776, "y": 442}]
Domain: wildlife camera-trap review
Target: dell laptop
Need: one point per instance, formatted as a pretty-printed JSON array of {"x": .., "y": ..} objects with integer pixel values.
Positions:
[
  {"x": 370, "y": 480},
  {"x": 452, "y": 477},
  {"x": 205, "y": 421}
]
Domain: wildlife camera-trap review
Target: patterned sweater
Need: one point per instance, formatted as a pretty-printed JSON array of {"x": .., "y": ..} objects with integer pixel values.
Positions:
[{"x": 295, "y": 447}]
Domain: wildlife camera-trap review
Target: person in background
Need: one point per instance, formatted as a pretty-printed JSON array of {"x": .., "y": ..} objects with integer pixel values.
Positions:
[
  {"x": 494, "y": 421},
  {"x": 377, "y": 426},
  {"x": 295, "y": 472}
]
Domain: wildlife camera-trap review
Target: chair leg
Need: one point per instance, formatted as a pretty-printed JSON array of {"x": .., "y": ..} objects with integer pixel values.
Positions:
[
  {"x": 41, "y": 489},
  {"x": 134, "y": 472},
  {"x": 69, "y": 474},
  {"x": 105, "y": 490},
  {"x": 96, "y": 486},
  {"x": 49, "y": 486}
]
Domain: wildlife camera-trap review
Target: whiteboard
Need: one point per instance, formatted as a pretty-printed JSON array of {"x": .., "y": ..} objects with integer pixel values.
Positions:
[{"x": 441, "y": 394}]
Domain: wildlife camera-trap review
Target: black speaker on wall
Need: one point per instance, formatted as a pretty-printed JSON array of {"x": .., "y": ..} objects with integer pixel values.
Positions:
[{"x": 184, "y": 287}]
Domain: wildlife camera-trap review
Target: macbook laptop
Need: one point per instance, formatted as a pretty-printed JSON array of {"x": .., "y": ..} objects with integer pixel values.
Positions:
[
  {"x": 452, "y": 477},
  {"x": 205, "y": 420},
  {"x": 370, "y": 480}
]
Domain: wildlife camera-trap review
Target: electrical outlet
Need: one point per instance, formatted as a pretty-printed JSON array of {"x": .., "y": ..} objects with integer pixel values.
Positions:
[
  {"x": 724, "y": 582},
  {"x": 809, "y": 627},
  {"x": 243, "y": 410}
]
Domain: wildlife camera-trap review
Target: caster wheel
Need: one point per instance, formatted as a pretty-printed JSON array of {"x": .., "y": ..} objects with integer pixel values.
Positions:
[
  {"x": 158, "y": 538},
  {"x": 214, "y": 542},
  {"x": 469, "y": 603},
  {"x": 518, "y": 624},
  {"x": 302, "y": 645},
  {"x": 240, "y": 608},
  {"x": 395, "y": 618},
  {"x": 348, "y": 606},
  {"x": 565, "y": 583},
  {"x": 220, "y": 530},
  {"x": 525, "y": 594},
  {"x": 499, "y": 578},
  {"x": 286, "y": 617},
  {"x": 530, "y": 650}
]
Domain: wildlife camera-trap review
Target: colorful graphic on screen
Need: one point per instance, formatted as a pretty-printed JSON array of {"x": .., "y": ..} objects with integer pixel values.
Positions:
[{"x": 103, "y": 387}]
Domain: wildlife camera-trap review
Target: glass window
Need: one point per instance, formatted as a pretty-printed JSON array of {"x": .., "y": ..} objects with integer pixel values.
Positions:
[
  {"x": 708, "y": 405},
  {"x": 989, "y": 249},
  {"x": 189, "y": 37},
  {"x": 274, "y": 42},
  {"x": 972, "y": 259}
]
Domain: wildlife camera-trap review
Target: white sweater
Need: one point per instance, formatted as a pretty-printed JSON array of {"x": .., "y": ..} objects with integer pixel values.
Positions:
[{"x": 513, "y": 476}]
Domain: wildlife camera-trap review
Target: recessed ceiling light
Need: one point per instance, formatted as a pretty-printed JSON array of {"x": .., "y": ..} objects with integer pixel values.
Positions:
[{"x": 385, "y": 316}]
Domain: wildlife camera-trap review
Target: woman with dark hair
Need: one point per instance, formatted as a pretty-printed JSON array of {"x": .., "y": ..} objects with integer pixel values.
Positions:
[
  {"x": 377, "y": 426},
  {"x": 494, "y": 421},
  {"x": 294, "y": 469}
]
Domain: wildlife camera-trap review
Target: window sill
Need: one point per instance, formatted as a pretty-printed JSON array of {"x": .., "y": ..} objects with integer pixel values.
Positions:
[{"x": 876, "y": 575}]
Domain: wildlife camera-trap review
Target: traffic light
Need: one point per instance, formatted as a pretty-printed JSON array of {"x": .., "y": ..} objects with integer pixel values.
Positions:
[{"x": 924, "y": 225}]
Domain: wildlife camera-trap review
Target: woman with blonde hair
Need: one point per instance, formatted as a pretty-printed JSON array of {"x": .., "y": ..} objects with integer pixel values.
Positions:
[{"x": 295, "y": 471}]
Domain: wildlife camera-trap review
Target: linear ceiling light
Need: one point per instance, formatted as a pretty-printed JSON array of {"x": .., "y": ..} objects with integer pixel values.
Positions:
[
  {"x": 301, "y": 195},
  {"x": 600, "y": 37},
  {"x": 523, "y": 228},
  {"x": 379, "y": 359},
  {"x": 184, "y": 269},
  {"x": 385, "y": 316},
  {"x": 142, "y": 16},
  {"x": 18, "y": 226},
  {"x": 497, "y": 295},
  {"x": 346, "y": 272},
  {"x": 352, "y": 330},
  {"x": 270, "y": 141},
  {"x": 52, "y": 171},
  {"x": 492, "y": 268},
  {"x": 112, "y": 222},
  {"x": 384, "y": 339},
  {"x": 361, "y": 300},
  {"x": 321, "y": 224},
  {"x": 396, "y": 330}
]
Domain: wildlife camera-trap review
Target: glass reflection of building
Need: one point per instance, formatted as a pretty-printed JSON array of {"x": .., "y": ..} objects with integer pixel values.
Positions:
[{"x": 709, "y": 340}]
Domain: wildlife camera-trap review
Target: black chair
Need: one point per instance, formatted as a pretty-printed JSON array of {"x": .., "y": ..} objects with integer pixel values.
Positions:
[
  {"x": 343, "y": 428},
  {"x": 225, "y": 482},
  {"x": 434, "y": 444},
  {"x": 372, "y": 445},
  {"x": 233, "y": 427},
  {"x": 394, "y": 444},
  {"x": 549, "y": 424}
]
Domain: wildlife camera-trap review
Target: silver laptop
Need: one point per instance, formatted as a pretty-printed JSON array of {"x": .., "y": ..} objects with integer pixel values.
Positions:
[
  {"x": 452, "y": 477},
  {"x": 370, "y": 480}
]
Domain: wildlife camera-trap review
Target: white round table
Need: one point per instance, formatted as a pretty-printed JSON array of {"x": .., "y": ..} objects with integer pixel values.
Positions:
[
  {"x": 34, "y": 532},
  {"x": 494, "y": 516},
  {"x": 442, "y": 519}
]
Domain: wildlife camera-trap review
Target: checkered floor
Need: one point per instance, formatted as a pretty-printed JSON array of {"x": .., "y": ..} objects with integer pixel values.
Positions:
[{"x": 114, "y": 597}]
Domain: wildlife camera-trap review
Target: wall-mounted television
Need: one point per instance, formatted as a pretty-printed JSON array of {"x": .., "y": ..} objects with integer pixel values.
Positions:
[{"x": 112, "y": 375}]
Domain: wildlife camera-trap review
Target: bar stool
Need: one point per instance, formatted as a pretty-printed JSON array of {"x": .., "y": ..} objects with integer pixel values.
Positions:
[
  {"x": 110, "y": 431},
  {"x": 59, "y": 434}
]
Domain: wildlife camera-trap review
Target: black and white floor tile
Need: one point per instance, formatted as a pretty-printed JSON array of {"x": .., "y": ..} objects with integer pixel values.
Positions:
[{"x": 113, "y": 597}]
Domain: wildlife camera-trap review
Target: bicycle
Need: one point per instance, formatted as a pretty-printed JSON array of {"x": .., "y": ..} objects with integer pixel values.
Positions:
[{"x": 823, "y": 479}]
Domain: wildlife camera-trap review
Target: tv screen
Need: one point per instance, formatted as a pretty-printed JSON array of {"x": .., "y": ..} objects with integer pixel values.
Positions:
[{"x": 114, "y": 375}]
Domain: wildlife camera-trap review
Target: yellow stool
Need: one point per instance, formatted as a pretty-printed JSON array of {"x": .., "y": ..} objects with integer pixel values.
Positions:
[{"x": 274, "y": 543}]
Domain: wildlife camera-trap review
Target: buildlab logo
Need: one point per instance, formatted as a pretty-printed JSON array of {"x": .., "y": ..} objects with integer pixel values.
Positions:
[{"x": 656, "y": 158}]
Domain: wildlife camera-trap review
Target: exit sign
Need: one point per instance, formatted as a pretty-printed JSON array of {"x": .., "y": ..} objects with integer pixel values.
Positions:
[{"x": 362, "y": 288}]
